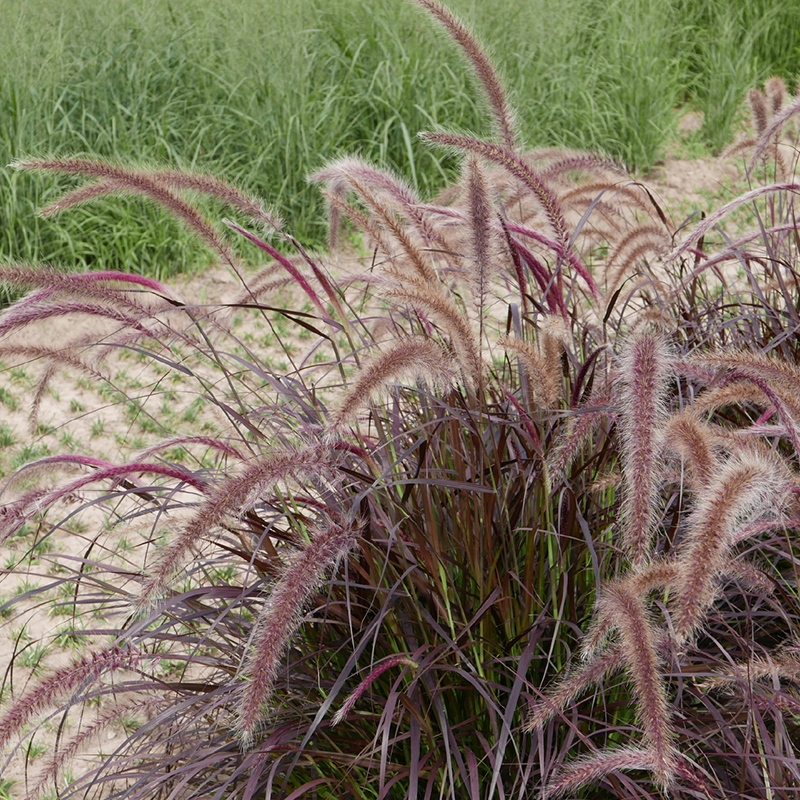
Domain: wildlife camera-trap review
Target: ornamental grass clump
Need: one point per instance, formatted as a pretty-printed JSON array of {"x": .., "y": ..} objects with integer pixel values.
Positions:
[{"x": 527, "y": 529}]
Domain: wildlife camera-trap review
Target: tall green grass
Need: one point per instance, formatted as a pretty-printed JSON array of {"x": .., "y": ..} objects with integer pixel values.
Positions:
[{"x": 264, "y": 92}]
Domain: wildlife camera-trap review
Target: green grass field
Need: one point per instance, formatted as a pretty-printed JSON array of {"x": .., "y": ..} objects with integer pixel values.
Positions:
[{"x": 262, "y": 93}]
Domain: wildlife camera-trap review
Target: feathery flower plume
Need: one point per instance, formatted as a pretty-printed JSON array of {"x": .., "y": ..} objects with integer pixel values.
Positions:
[
  {"x": 443, "y": 309},
  {"x": 573, "y": 684},
  {"x": 542, "y": 364},
  {"x": 408, "y": 358},
  {"x": 232, "y": 497},
  {"x": 658, "y": 574},
  {"x": 136, "y": 182},
  {"x": 639, "y": 647},
  {"x": 776, "y": 94},
  {"x": 758, "y": 109},
  {"x": 394, "y": 661},
  {"x": 281, "y": 616},
  {"x": 339, "y": 174},
  {"x": 248, "y": 205},
  {"x": 492, "y": 86},
  {"x": 747, "y": 484},
  {"x": 68, "y": 750},
  {"x": 783, "y": 664},
  {"x": 480, "y": 230},
  {"x": 361, "y": 220},
  {"x": 579, "y": 428},
  {"x": 630, "y": 250},
  {"x": 47, "y": 277},
  {"x": 644, "y": 370},
  {"x": 18, "y": 317},
  {"x": 181, "y": 441},
  {"x": 64, "y": 683},
  {"x": 418, "y": 261},
  {"x": 14, "y": 515},
  {"x": 692, "y": 440},
  {"x": 753, "y": 364},
  {"x": 591, "y": 769},
  {"x": 517, "y": 167}
]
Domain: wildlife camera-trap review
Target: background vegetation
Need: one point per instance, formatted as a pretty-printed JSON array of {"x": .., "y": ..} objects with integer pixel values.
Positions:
[{"x": 265, "y": 92}]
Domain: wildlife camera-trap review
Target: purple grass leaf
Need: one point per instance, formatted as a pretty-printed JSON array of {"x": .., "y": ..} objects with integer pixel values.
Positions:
[{"x": 283, "y": 261}]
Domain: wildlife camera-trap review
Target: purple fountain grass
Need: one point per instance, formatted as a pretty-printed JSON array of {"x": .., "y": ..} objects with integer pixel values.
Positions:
[
  {"x": 16, "y": 318},
  {"x": 481, "y": 240},
  {"x": 758, "y": 109},
  {"x": 15, "y": 514},
  {"x": 629, "y": 251},
  {"x": 338, "y": 176},
  {"x": 788, "y": 410},
  {"x": 784, "y": 664},
  {"x": 417, "y": 260},
  {"x": 771, "y": 132},
  {"x": 643, "y": 373},
  {"x": 550, "y": 293},
  {"x": 407, "y": 358},
  {"x": 328, "y": 544},
  {"x": 580, "y": 426},
  {"x": 592, "y": 768},
  {"x": 139, "y": 183},
  {"x": 753, "y": 364},
  {"x": 559, "y": 250},
  {"x": 249, "y": 205},
  {"x": 443, "y": 310},
  {"x": 693, "y": 441},
  {"x": 566, "y": 161},
  {"x": 232, "y": 497},
  {"x": 515, "y": 165},
  {"x": 64, "y": 683},
  {"x": 712, "y": 219},
  {"x": 776, "y": 93},
  {"x": 389, "y": 663},
  {"x": 494, "y": 92},
  {"x": 639, "y": 647},
  {"x": 658, "y": 574},
  {"x": 70, "y": 747},
  {"x": 298, "y": 277},
  {"x": 542, "y": 365},
  {"x": 361, "y": 220},
  {"x": 572, "y": 685},
  {"x": 625, "y": 195},
  {"x": 181, "y": 441},
  {"x": 49, "y": 278},
  {"x": 747, "y": 484}
]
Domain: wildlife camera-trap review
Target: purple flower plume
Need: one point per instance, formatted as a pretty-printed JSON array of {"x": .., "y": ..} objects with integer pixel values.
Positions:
[
  {"x": 394, "y": 661},
  {"x": 281, "y": 616},
  {"x": 231, "y": 497},
  {"x": 485, "y": 72},
  {"x": 62, "y": 684},
  {"x": 645, "y": 369},
  {"x": 749, "y": 483}
]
